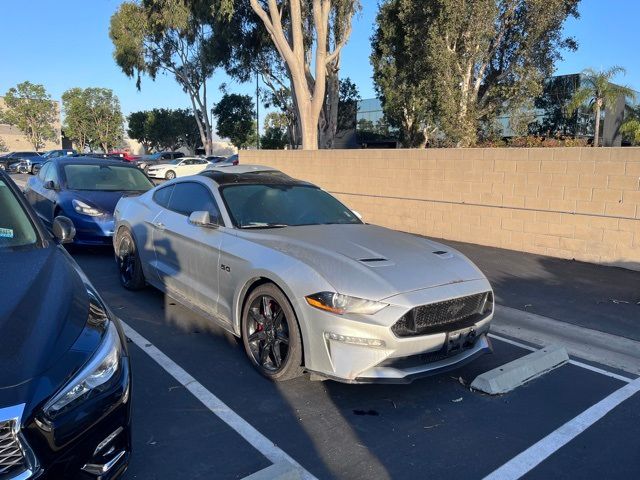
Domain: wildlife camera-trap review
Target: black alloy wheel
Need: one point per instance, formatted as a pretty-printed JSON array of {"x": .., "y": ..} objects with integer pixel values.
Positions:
[
  {"x": 129, "y": 266},
  {"x": 270, "y": 334}
]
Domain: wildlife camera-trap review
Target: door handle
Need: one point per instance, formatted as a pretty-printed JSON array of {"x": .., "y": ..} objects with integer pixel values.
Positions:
[{"x": 159, "y": 225}]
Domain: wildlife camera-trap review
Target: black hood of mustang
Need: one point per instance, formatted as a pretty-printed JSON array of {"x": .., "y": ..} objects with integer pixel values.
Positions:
[{"x": 43, "y": 310}]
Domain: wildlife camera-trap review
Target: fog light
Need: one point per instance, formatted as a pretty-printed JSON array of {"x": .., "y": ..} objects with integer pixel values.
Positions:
[{"x": 364, "y": 342}]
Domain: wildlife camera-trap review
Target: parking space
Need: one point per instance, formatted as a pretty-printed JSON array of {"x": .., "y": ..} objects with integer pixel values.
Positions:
[{"x": 435, "y": 426}]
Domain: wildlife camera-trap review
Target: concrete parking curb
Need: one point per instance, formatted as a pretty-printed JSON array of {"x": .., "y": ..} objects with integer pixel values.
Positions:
[
  {"x": 518, "y": 372},
  {"x": 603, "y": 348}
]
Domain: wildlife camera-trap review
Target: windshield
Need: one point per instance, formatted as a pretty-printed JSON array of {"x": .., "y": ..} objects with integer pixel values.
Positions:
[
  {"x": 271, "y": 206},
  {"x": 106, "y": 178},
  {"x": 16, "y": 230}
]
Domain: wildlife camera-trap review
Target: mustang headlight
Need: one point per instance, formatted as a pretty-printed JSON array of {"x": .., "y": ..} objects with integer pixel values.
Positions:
[
  {"x": 341, "y": 304},
  {"x": 94, "y": 377},
  {"x": 85, "y": 209}
]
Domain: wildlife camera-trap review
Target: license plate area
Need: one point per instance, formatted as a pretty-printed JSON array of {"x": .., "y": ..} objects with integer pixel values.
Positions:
[{"x": 460, "y": 340}]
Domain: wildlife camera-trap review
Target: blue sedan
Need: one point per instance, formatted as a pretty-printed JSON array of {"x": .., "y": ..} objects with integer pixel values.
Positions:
[{"x": 86, "y": 190}]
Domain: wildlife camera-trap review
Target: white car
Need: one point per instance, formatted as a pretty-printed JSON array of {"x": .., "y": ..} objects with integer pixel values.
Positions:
[{"x": 180, "y": 167}]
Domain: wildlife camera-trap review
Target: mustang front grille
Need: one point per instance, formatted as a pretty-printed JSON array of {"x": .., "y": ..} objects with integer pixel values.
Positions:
[
  {"x": 11, "y": 458},
  {"x": 444, "y": 316}
]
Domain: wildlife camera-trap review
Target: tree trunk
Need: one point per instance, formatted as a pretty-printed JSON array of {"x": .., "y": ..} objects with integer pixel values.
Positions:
[
  {"x": 596, "y": 136},
  {"x": 329, "y": 114},
  {"x": 309, "y": 90}
]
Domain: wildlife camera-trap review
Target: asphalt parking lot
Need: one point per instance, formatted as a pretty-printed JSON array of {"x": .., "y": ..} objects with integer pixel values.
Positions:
[{"x": 435, "y": 427}]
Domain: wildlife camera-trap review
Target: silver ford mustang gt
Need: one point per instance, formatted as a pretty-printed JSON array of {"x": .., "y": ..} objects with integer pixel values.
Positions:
[{"x": 302, "y": 280}]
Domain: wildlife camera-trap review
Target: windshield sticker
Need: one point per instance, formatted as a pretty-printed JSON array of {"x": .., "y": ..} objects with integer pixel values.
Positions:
[{"x": 6, "y": 233}]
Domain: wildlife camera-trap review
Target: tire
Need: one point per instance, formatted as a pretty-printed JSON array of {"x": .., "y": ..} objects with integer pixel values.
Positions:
[
  {"x": 31, "y": 170},
  {"x": 270, "y": 334},
  {"x": 170, "y": 175},
  {"x": 128, "y": 261}
]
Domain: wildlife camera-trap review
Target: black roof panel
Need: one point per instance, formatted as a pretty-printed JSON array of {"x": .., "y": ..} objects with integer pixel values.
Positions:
[{"x": 260, "y": 178}]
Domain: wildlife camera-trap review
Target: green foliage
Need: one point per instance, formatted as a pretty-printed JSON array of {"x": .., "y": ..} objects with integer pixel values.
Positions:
[
  {"x": 3, "y": 146},
  {"x": 598, "y": 93},
  {"x": 93, "y": 118},
  {"x": 630, "y": 129},
  {"x": 171, "y": 36},
  {"x": 461, "y": 63},
  {"x": 164, "y": 129},
  {"x": 348, "y": 105},
  {"x": 235, "y": 116},
  {"x": 275, "y": 132},
  {"x": 30, "y": 108},
  {"x": 403, "y": 80}
]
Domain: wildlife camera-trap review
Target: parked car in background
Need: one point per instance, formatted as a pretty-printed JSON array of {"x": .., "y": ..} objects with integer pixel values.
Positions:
[
  {"x": 65, "y": 381},
  {"x": 33, "y": 165},
  {"x": 180, "y": 167},
  {"x": 86, "y": 190},
  {"x": 225, "y": 161},
  {"x": 125, "y": 155},
  {"x": 289, "y": 269},
  {"x": 10, "y": 161},
  {"x": 157, "y": 158}
]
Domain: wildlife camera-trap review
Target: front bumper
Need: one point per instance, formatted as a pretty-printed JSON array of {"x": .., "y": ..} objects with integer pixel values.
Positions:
[
  {"x": 93, "y": 230},
  {"x": 156, "y": 173},
  {"x": 400, "y": 359}
]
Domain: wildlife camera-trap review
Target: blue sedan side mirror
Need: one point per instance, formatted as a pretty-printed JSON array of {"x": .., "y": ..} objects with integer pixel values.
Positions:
[{"x": 63, "y": 229}]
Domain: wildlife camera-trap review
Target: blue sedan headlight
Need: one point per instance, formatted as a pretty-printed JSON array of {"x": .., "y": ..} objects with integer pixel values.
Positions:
[{"x": 85, "y": 209}]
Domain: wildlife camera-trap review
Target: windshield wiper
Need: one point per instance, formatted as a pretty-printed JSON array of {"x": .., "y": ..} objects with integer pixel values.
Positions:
[{"x": 264, "y": 225}]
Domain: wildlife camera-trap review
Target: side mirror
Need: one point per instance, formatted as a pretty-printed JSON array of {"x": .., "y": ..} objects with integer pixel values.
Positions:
[
  {"x": 49, "y": 185},
  {"x": 357, "y": 214},
  {"x": 63, "y": 229},
  {"x": 203, "y": 219}
]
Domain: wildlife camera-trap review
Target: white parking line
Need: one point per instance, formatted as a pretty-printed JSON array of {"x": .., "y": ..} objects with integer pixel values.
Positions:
[
  {"x": 261, "y": 443},
  {"x": 534, "y": 455},
  {"x": 572, "y": 362}
]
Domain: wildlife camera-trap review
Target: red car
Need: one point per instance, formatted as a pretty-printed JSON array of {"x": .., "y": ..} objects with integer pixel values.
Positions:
[{"x": 125, "y": 155}]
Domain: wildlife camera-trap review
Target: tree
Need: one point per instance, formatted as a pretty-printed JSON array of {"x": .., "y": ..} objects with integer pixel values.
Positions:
[
  {"x": 164, "y": 129},
  {"x": 30, "y": 108},
  {"x": 403, "y": 79},
  {"x": 235, "y": 116},
  {"x": 598, "y": 92},
  {"x": 479, "y": 58},
  {"x": 93, "y": 118},
  {"x": 168, "y": 36},
  {"x": 275, "y": 131},
  {"x": 137, "y": 129},
  {"x": 630, "y": 129},
  {"x": 309, "y": 36},
  {"x": 522, "y": 119},
  {"x": 347, "y": 105}
]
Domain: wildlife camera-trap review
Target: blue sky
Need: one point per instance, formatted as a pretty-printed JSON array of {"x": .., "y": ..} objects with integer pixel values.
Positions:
[{"x": 64, "y": 44}]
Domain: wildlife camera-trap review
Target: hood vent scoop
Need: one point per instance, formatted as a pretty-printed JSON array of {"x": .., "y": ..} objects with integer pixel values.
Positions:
[
  {"x": 443, "y": 254},
  {"x": 374, "y": 262}
]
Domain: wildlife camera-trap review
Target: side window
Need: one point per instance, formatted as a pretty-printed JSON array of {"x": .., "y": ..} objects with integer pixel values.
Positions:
[
  {"x": 43, "y": 171},
  {"x": 187, "y": 162},
  {"x": 163, "y": 196},
  {"x": 166, "y": 156},
  {"x": 51, "y": 175},
  {"x": 178, "y": 155},
  {"x": 189, "y": 197}
]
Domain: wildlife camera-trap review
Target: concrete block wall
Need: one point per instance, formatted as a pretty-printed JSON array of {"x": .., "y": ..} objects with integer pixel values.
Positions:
[{"x": 574, "y": 203}]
